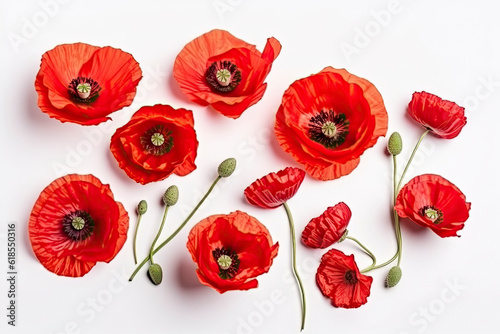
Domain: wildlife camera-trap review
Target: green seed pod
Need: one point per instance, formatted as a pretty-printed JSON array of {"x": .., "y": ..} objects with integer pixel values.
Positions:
[
  {"x": 393, "y": 277},
  {"x": 171, "y": 196},
  {"x": 395, "y": 144},
  {"x": 227, "y": 167},
  {"x": 155, "y": 273},
  {"x": 142, "y": 207}
]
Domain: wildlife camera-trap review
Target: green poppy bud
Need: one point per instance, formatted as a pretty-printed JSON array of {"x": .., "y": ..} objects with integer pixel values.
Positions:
[
  {"x": 393, "y": 277},
  {"x": 142, "y": 207},
  {"x": 227, "y": 167},
  {"x": 395, "y": 144},
  {"x": 155, "y": 273},
  {"x": 171, "y": 196}
]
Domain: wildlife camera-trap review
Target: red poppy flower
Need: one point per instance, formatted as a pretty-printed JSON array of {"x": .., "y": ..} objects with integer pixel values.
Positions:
[
  {"x": 327, "y": 229},
  {"x": 231, "y": 250},
  {"x": 222, "y": 71},
  {"x": 83, "y": 84},
  {"x": 339, "y": 279},
  {"x": 275, "y": 189},
  {"x": 76, "y": 223},
  {"x": 326, "y": 121},
  {"x": 432, "y": 201},
  {"x": 155, "y": 143},
  {"x": 443, "y": 118}
]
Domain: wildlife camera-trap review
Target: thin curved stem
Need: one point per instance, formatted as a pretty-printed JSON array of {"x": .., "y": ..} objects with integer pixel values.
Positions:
[
  {"x": 178, "y": 229},
  {"x": 367, "y": 251},
  {"x": 294, "y": 265},
  {"x": 158, "y": 235},
  {"x": 135, "y": 237},
  {"x": 411, "y": 159}
]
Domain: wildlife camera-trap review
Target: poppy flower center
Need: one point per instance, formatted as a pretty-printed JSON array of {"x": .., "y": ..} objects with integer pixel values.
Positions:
[
  {"x": 329, "y": 128},
  {"x": 430, "y": 212},
  {"x": 78, "y": 225},
  {"x": 223, "y": 76},
  {"x": 84, "y": 90},
  {"x": 228, "y": 262},
  {"x": 157, "y": 140},
  {"x": 350, "y": 277}
]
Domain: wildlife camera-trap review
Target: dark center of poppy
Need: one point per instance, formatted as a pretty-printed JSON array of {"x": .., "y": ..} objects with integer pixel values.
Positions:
[
  {"x": 329, "y": 128},
  {"x": 157, "y": 140},
  {"x": 84, "y": 90},
  {"x": 228, "y": 262},
  {"x": 350, "y": 277},
  {"x": 78, "y": 225},
  {"x": 432, "y": 213},
  {"x": 223, "y": 76}
]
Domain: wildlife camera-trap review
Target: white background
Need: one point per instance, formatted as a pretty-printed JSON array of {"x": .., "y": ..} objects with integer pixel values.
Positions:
[{"x": 449, "y": 48}]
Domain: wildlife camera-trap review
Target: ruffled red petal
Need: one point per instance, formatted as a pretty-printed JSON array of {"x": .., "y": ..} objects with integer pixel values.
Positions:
[
  {"x": 444, "y": 118},
  {"x": 274, "y": 189},
  {"x": 53, "y": 248},
  {"x": 144, "y": 167},
  {"x": 435, "y": 192},
  {"x": 343, "y": 93},
  {"x": 192, "y": 62},
  {"x": 116, "y": 71},
  {"x": 327, "y": 229},
  {"x": 241, "y": 233},
  {"x": 331, "y": 279}
]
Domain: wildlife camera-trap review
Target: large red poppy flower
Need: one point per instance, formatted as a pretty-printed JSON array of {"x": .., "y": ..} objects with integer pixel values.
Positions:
[
  {"x": 76, "y": 223},
  {"x": 275, "y": 189},
  {"x": 432, "y": 201},
  {"x": 155, "y": 143},
  {"x": 443, "y": 118},
  {"x": 222, "y": 71},
  {"x": 327, "y": 229},
  {"x": 327, "y": 120},
  {"x": 339, "y": 279},
  {"x": 83, "y": 84},
  {"x": 231, "y": 250}
]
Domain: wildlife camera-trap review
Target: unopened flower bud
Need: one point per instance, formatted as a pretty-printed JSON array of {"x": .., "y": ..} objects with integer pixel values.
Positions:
[
  {"x": 393, "y": 277},
  {"x": 171, "y": 196},
  {"x": 155, "y": 273},
  {"x": 395, "y": 144},
  {"x": 227, "y": 167},
  {"x": 142, "y": 207}
]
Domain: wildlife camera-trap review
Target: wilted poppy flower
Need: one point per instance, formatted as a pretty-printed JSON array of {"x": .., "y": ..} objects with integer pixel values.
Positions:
[
  {"x": 231, "y": 251},
  {"x": 432, "y": 201},
  {"x": 327, "y": 120},
  {"x": 155, "y": 143},
  {"x": 327, "y": 229},
  {"x": 275, "y": 189},
  {"x": 443, "y": 118},
  {"x": 222, "y": 71},
  {"x": 339, "y": 279},
  {"x": 76, "y": 223},
  {"x": 83, "y": 84}
]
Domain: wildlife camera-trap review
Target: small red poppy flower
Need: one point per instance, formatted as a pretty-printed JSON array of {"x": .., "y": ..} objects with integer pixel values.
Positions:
[
  {"x": 327, "y": 229},
  {"x": 339, "y": 279},
  {"x": 443, "y": 118},
  {"x": 155, "y": 143},
  {"x": 432, "y": 201},
  {"x": 327, "y": 120},
  {"x": 76, "y": 223},
  {"x": 222, "y": 71},
  {"x": 231, "y": 251},
  {"x": 275, "y": 189},
  {"x": 83, "y": 84}
]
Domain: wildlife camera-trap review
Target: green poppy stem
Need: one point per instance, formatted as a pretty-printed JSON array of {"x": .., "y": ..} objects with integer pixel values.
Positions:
[
  {"x": 158, "y": 234},
  {"x": 367, "y": 251},
  {"x": 294, "y": 265},
  {"x": 178, "y": 229},
  {"x": 135, "y": 237}
]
